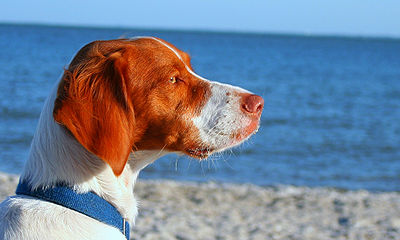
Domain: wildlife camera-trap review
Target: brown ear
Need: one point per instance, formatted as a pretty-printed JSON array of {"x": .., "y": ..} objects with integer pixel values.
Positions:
[{"x": 93, "y": 104}]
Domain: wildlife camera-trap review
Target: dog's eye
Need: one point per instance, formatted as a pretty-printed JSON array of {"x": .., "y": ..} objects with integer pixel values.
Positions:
[{"x": 172, "y": 79}]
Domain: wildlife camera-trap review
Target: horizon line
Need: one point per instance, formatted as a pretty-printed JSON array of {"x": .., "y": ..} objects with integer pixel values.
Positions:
[{"x": 201, "y": 30}]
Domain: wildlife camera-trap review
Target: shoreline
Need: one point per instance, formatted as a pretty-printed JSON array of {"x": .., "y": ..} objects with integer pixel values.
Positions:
[{"x": 210, "y": 210}]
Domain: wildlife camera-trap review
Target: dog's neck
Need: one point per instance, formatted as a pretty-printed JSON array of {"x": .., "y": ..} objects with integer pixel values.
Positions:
[{"x": 56, "y": 156}]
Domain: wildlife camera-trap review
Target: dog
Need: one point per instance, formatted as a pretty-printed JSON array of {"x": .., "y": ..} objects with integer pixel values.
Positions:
[{"x": 119, "y": 106}]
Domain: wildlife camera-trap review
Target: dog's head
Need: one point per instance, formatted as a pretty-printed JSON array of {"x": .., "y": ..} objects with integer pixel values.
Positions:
[{"x": 126, "y": 95}]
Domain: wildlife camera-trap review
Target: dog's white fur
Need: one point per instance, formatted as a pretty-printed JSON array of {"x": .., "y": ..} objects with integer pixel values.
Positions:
[{"x": 56, "y": 156}]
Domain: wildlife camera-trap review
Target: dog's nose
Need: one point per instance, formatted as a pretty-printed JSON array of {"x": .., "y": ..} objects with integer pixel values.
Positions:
[{"x": 252, "y": 104}]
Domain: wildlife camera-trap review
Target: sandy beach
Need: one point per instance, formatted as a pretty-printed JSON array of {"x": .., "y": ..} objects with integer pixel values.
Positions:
[{"x": 176, "y": 210}]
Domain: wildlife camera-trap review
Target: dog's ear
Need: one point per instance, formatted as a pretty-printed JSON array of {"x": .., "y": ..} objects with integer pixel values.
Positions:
[{"x": 93, "y": 104}]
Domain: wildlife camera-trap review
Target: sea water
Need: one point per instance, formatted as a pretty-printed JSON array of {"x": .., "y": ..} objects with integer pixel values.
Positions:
[{"x": 331, "y": 115}]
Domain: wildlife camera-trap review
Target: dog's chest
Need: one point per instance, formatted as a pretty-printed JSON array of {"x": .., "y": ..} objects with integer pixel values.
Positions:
[{"x": 34, "y": 219}]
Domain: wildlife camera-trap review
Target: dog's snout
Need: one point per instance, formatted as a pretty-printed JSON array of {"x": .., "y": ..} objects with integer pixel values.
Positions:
[{"x": 252, "y": 104}]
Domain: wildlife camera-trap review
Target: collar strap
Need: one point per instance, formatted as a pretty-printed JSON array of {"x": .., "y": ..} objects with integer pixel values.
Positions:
[{"x": 88, "y": 204}]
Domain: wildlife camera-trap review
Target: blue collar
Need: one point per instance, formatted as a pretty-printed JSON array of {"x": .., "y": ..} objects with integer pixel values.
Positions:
[{"x": 89, "y": 204}]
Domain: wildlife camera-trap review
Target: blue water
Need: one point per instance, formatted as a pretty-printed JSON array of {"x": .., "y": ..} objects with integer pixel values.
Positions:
[{"x": 332, "y": 105}]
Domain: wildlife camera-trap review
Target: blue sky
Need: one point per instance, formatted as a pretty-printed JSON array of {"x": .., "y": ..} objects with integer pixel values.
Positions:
[{"x": 317, "y": 17}]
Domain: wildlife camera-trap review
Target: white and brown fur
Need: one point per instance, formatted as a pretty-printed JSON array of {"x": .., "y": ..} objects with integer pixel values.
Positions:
[{"x": 213, "y": 117}]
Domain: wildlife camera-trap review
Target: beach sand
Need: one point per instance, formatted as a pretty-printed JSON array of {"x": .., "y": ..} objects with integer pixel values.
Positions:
[{"x": 176, "y": 210}]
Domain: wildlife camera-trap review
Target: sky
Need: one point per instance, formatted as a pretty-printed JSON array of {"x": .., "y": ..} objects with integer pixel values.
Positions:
[{"x": 377, "y": 18}]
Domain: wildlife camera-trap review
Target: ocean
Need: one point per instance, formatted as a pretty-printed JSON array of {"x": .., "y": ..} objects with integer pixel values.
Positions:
[{"x": 331, "y": 115}]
